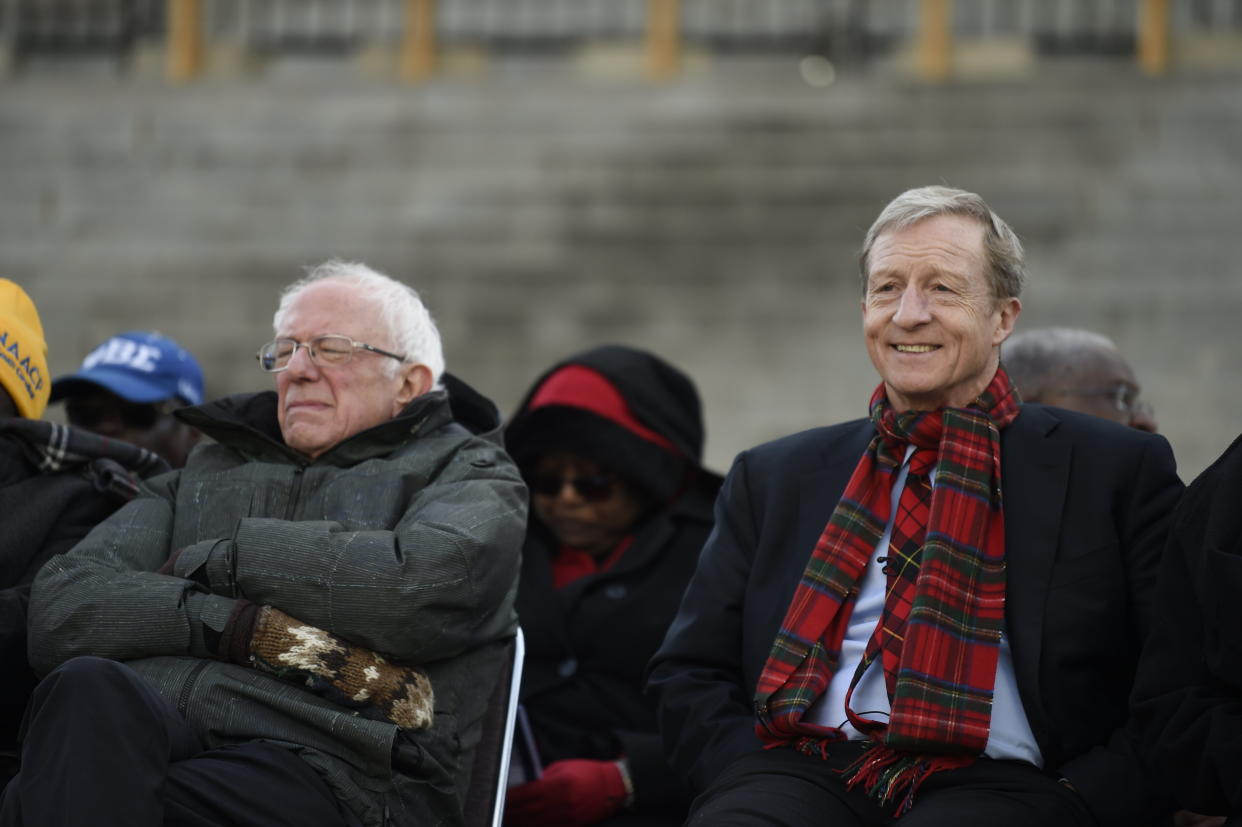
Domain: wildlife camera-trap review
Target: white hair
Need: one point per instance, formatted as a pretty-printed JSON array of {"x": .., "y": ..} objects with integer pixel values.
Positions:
[{"x": 412, "y": 331}]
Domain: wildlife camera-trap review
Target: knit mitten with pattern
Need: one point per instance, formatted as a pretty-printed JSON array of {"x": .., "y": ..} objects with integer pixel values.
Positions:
[{"x": 350, "y": 675}]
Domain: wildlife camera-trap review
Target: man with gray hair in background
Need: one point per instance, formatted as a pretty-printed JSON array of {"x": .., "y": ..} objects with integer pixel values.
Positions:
[
  {"x": 303, "y": 625},
  {"x": 1078, "y": 370}
]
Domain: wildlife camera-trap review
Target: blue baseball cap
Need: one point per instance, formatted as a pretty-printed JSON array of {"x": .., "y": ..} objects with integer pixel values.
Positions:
[{"x": 141, "y": 366}]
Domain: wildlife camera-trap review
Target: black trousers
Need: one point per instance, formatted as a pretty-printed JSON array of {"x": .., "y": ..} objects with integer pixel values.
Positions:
[
  {"x": 787, "y": 788},
  {"x": 102, "y": 748}
]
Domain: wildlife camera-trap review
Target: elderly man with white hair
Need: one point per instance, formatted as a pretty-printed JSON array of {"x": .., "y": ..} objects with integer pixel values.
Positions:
[{"x": 303, "y": 624}]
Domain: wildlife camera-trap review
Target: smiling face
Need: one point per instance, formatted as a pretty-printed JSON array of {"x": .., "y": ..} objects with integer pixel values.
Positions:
[
  {"x": 319, "y": 407},
  {"x": 930, "y": 317}
]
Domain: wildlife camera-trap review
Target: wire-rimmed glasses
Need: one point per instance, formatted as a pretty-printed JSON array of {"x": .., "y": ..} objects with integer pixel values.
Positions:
[{"x": 330, "y": 350}]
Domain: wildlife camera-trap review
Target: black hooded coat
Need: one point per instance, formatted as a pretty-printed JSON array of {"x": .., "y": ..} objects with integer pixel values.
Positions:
[
  {"x": 56, "y": 484},
  {"x": 588, "y": 643}
]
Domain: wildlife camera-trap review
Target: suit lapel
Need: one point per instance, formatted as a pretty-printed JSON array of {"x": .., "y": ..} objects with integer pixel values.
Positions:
[
  {"x": 820, "y": 490},
  {"x": 1034, "y": 474}
]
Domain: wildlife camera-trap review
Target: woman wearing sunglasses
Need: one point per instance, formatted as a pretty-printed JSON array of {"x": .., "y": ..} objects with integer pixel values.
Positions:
[{"x": 610, "y": 443}]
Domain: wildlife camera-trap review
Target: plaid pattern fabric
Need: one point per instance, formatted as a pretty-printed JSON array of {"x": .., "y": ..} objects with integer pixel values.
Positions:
[
  {"x": 901, "y": 565},
  {"x": 113, "y": 465},
  {"x": 946, "y": 665}
]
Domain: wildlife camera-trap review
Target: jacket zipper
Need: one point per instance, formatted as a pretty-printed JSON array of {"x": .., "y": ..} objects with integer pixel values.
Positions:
[
  {"x": 183, "y": 700},
  {"x": 294, "y": 492}
]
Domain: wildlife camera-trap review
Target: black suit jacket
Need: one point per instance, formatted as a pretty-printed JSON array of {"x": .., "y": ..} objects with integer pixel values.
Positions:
[{"x": 1087, "y": 504}]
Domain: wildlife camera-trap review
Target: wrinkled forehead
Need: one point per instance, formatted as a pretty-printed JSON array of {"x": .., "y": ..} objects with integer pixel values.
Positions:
[
  {"x": 332, "y": 307},
  {"x": 940, "y": 243}
]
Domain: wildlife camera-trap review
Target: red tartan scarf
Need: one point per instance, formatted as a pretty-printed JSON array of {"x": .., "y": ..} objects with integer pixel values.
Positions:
[{"x": 942, "y": 702}]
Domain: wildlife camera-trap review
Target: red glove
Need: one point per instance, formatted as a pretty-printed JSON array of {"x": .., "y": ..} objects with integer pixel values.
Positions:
[{"x": 574, "y": 792}]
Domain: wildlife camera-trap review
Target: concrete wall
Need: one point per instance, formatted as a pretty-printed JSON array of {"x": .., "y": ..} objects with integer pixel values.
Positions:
[{"x": 713, "y": 219}]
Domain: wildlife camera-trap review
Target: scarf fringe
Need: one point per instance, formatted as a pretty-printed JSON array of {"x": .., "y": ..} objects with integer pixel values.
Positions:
[
  {"x": 887, "y": 775},
  {"x": 814, "y": 747}
]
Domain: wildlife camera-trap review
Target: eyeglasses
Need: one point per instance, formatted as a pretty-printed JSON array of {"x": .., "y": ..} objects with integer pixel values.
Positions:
[
  {"x": 1123, "y": 396},
  {"x": 331, "y": 350},
  {"x": 592, "y": 488},
  {"x": 90, "y": 413}
]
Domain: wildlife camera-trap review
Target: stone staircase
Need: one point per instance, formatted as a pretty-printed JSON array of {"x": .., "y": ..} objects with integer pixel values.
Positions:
[{"x": 713, "y": 219}]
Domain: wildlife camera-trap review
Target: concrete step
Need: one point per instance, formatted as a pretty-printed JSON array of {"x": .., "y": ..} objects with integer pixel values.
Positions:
[{"x": 714, "y": 220}]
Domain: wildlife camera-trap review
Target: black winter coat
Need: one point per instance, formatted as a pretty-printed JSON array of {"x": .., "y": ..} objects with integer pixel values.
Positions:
[
  {"x": 1188, "y": 694},
  {"x": 588, "y": 646},
  {"x": 56, "y": 483},
  {"x": 589, "y": 643}
]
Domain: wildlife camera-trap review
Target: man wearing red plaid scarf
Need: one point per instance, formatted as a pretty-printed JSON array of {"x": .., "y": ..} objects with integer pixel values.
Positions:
[{"x": 930, "y": 615}]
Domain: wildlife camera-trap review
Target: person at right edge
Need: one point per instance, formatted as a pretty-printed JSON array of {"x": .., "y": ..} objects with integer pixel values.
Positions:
[
  {"x": 932, "y": 615},
  {"x": 1188, "y": 695},
  {"x": 609, "y": 442}
]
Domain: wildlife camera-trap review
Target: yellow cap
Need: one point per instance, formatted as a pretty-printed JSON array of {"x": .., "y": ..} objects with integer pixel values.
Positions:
[{"x": 23, "y": 351}]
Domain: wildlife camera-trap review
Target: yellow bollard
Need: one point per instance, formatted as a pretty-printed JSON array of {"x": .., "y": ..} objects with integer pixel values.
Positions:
[
  {"x": 185, "y": 40},
  {"x": 663, "y": 46},
  {"x": 418, "y": 43},
  {"x": 935, "y": 43},
  {"x": 1153, "y": 37}
]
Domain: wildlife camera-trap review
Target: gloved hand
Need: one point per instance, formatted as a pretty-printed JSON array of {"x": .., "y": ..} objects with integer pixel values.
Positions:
[
  {"x": 271, "y": 641},
  {"x": 573, "y": 793}
]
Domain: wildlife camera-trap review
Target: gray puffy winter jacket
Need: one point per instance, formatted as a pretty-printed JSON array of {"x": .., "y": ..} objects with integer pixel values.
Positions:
[{"x": 404, "y": 538}]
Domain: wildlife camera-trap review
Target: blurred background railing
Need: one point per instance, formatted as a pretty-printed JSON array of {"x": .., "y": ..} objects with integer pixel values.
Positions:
[
  {"x": 690, "y": 176},
  {"x": 842, "y": 30}
]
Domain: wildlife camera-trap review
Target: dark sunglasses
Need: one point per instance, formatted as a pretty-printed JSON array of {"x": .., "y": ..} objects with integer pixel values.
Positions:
[
  {"x": 592, "y": 488},
  {"x": 89, "y": 413}
]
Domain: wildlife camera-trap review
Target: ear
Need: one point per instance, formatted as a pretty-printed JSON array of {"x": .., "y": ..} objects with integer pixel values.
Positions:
[
  {"x": 191, "y": 435},
  {"x": 1009, "y": 310},
  {"x": 182, "y": 443},
  {"x": 415, "y": 380}
]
